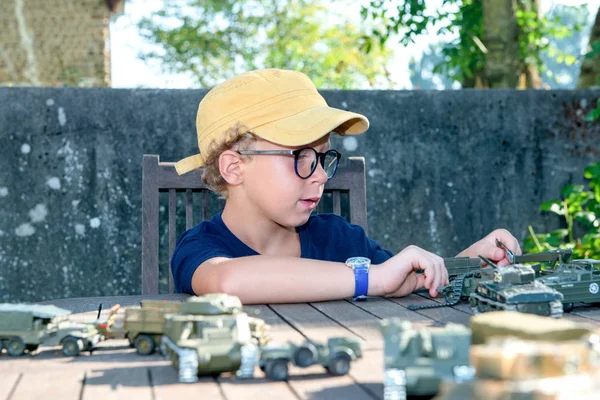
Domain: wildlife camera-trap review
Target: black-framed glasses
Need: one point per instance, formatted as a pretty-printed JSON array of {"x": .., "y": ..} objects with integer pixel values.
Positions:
[{"x": 305, "y": 160}]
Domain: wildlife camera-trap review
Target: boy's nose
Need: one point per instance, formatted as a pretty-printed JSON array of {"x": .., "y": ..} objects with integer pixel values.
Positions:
[{"x": 319, "y": 175}]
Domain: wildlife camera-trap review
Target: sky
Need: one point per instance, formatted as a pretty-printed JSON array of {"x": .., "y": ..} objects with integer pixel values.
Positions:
[{"x": 128, "y": 71}]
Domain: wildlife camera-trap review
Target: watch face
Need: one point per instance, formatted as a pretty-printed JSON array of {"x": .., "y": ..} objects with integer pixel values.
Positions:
[{"x": 358, "y": 262}]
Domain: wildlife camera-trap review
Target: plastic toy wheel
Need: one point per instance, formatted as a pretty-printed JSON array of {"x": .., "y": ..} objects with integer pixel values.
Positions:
[
  {"x": 305, "y": 356},
  {"x": 568, "y": 307},
  {"x": 15, "y": 346},
  {"x": 339, "y": 364},
  {"x": 72, "y": 346},
  {"x": 144, "y": 345},
  {"x": 449, "y": 297},
  {"x": 277, "y": 370}
]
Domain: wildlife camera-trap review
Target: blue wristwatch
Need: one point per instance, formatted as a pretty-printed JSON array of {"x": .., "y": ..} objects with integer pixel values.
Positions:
[{"x": 360, "y": 266}]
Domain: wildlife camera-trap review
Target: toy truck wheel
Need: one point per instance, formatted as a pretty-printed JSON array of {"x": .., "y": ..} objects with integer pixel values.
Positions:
[
  {"x": 15, "y": 346},
  {"x": 568, "y": 307},
  {"x": 277, "y": 370},
  {"x": 72, "y": 346},
  {"x": 339, "y": 364},
  {"x": 144, "y": 345},
  {"x": 305, "y": 356}
]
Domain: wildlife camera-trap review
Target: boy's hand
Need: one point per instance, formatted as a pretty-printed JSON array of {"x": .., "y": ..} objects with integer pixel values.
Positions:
[
  {"x": 397, "y": 275},
  {"x": 487, "y": 247}
]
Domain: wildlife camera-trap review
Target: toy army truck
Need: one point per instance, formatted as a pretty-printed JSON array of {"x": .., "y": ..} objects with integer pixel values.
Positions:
[
  {"x": 418, "y": 360},
  {"x": 210, "y": 335},
  {"x": 143, "y": 327},
  {"x": 514, "y": 288},
  {"x": 27, "y": 326},
  {"x": 578, "y": 281},
  {"x": 335, "y": 356}
]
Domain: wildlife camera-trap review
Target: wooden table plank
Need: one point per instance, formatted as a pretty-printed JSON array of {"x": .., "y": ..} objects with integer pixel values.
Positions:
[
  {"x": 8, "y": 383},
  {"x": 313, "y": 382},
  {"x": 165, "y": 385},
  {"x": 117, "y": 381},
  {"x": 355, "y": 319},
  {"x": 442, "y": 315},
  {"x": 61, "y": 384}
]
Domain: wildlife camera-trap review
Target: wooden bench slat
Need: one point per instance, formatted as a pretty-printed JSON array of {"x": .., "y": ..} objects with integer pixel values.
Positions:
[{"x": 172, "y": 232}]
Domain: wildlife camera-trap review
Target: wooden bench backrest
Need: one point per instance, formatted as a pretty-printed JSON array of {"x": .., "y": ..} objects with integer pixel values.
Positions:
[{"x": 160, "y": 177}]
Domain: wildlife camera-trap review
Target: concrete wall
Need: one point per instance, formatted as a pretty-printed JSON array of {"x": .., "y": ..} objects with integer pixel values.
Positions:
[
  {"x": 444, "y": 169},
  {"x": 55, "y": 42}
]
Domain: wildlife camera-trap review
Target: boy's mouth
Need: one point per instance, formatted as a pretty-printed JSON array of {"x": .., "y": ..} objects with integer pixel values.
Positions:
[{"x": 310, "y": 203}]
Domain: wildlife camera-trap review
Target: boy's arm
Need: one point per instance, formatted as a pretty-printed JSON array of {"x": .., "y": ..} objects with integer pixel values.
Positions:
[
  {"x": 271, "y": 279},
  {"x": 275, "y": 279}
]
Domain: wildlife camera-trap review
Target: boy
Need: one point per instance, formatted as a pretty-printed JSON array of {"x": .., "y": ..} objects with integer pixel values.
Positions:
[{"x": 264, "y": 145}]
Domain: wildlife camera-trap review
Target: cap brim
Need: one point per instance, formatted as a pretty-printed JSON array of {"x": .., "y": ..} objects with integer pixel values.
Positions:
[{"x": 311, "y": 125}]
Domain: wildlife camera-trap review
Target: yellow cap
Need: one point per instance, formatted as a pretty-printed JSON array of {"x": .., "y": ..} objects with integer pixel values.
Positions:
[{"x": 280, "y": 106}]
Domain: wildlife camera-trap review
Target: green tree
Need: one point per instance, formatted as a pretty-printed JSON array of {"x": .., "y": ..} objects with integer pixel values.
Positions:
[
  {"x": 216, "y": 39},
  {"x": 494, "y": 43}
]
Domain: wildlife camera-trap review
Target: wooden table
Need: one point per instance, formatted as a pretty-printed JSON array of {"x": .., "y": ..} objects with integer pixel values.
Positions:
[{"x": 115, "y": 371}]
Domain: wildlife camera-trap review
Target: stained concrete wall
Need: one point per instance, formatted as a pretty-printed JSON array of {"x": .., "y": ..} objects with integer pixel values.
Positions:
[{"x": 444, "y": 169}]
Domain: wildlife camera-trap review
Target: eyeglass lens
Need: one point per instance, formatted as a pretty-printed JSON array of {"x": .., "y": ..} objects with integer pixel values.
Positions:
[{"x": 307, "y": 162}]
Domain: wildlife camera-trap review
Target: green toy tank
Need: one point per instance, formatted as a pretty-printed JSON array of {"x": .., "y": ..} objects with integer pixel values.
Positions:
[
  {"x": 514, "y": 288},
  {"x": 578, "y": 281},
  {"x": 417, "y": 361},
  {"x": 24, "y": 327},
  {"x": 200, "y": 344},
  {"x": 335, "y": 356},
  {"x": 464, "y": 274}
]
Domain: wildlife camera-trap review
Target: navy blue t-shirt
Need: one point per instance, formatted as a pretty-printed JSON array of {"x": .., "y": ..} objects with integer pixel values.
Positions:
[{"x": 326, "y": 237}]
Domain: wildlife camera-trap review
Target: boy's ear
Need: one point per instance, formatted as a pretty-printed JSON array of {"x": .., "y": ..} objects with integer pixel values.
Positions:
[{"x": 230, "y": 167}]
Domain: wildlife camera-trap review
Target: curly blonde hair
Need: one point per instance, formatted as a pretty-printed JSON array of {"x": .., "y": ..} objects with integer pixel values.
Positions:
[{"x": 237, "y": 137}]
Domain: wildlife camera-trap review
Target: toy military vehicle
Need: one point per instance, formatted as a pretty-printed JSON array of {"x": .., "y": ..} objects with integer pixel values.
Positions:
[
  {"x": 143, "y": 327},
  {"x": 526, "y": 356},
  {"x": 417, "y": 361},
  {"x": 464, "y": 275},
  {"x": 514, "y": 288},
  {"x": 208, "y": 337},
  {"x": 27, "y": 326},
  {"x": 335, "y": 355},
  {"x": 578, "y": 281}
]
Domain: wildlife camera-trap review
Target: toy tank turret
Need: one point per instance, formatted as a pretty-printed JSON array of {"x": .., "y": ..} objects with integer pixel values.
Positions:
[
  {"x": 418, "y": 360},
  {"x": 514, "y": 288},
  {"x": 212, "y": 304}
]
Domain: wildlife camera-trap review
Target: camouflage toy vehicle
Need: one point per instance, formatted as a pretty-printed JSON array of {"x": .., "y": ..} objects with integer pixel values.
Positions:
[
  {"x": 207, "y": 338},
  {"x": 335, "y": 355},
  {"x": 514, "y": 288},
  {"x": 418, "y": 361},
  {"x": 27, "y": 326},
  {"x": 578, "y": 281}
]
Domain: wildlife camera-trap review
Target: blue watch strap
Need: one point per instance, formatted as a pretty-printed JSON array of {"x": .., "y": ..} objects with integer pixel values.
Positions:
[
  {"x": 361, "y": 283},
  {"x": 360, "y": 266}
]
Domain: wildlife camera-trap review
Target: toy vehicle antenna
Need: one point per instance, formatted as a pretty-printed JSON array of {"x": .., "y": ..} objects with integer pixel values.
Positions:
[
  {"x": 488, "y": 262},
  {"x": 509, "y": 254},
  {"x": 99, "y": 310}
]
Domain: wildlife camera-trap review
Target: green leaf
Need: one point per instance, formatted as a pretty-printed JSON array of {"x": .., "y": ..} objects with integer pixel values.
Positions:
[
  {"x": 570, "y": 189},
  {"x": 554, "y": 206}
]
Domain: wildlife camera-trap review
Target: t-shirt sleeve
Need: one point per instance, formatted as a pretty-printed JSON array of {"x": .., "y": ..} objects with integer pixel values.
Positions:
[
  {"x": 377, "y": 254},
  {"x": 189, "y": 253},
  {"x": 354, "y": 242}
]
